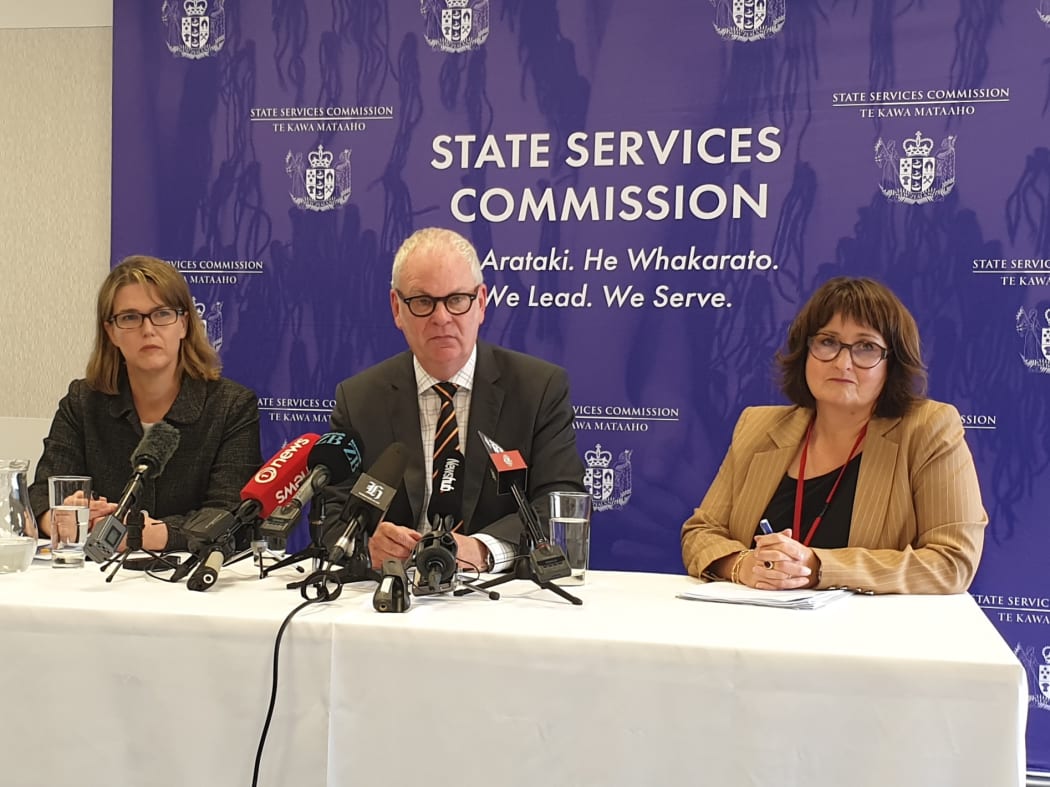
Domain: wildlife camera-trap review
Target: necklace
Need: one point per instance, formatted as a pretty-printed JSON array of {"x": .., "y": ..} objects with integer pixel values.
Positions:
[{"x": 796, "y": 523}]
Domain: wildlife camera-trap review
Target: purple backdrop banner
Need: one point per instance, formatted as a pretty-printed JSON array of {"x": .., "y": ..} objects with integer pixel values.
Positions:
[{"x": 653, "y": 187}]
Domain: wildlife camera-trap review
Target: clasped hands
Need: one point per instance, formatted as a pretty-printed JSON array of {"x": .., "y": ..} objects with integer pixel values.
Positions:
[{"x": 779, "y": 562}]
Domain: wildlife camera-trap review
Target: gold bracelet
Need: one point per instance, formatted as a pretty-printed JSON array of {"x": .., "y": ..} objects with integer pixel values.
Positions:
[{"x": 734, "y": 575}]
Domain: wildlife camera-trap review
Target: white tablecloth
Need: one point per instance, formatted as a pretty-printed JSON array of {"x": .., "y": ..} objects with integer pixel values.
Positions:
[{"x": 142, "y": 683}]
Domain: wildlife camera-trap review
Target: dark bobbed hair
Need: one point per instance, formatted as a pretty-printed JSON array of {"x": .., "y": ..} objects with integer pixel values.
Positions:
[
  {"x": 872, "y": 304},
  {"x": 197, "y": 358}
]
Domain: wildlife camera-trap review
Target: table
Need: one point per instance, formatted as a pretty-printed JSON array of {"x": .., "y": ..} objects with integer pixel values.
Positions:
[
  {"x": 634, "y": 687},
  {"x": 139, "y": 682}
]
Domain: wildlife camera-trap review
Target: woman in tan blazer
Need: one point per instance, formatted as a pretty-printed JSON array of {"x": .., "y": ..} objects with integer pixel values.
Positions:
[{"x": 864, "y": 482}]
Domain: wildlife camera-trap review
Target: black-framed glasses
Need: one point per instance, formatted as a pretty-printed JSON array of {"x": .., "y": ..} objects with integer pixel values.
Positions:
[
  {"x": 865, "y": 354},
  {"x": 165, "y": 315},
  {"x": 456, "y": 303}
]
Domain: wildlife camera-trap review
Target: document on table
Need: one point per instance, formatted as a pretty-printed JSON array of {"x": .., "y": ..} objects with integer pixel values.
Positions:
[{"x": 730, "y": 593}]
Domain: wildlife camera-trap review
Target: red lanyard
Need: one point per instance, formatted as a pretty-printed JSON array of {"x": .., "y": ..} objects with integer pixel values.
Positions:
[{"x": 796, "y": 524}]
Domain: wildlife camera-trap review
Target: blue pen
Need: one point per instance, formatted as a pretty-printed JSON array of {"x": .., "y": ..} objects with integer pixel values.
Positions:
[{"x": 767, "y": 529}]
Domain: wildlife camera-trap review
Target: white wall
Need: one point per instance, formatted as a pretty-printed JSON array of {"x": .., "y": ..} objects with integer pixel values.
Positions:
[
  {"x": 55, "y": 95},
  {"x": 56, "y": 13}
]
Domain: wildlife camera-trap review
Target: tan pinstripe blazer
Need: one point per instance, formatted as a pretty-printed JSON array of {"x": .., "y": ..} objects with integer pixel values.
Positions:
[{"x": 918, "y": 522}]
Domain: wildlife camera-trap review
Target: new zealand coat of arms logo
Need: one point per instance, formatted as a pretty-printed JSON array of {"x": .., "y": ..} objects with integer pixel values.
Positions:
[
  {"x": 1036, "y": 350},
  {"x": 748, "y": 20},
  {"x": 212, "y": 322},
  {"x": 610, "y": 486},
  {"x": 1038, "y": 674},
  {"x": 455, "y": 25},
  {"x": 196, "y": 28},
  {"x": 319, "y": 186},
  {"x": 919, "y": 175}
]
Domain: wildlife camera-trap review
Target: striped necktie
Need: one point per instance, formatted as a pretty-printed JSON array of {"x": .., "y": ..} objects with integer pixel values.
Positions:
[{"x": 446, "y": 434}]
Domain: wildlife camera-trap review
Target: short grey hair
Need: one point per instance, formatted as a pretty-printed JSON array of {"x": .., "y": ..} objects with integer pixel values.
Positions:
[{"x": 435, "y": 239}]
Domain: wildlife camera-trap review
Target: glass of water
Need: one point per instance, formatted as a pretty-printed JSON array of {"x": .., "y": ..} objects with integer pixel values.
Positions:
[
  {"x": 571, "y": 530},
  {"x": 70, "y": 512}
]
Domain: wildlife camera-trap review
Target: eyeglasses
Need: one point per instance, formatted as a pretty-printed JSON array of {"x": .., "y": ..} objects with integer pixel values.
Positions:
[
  {"x": 159, "y": 317},
  {"x": 456, "y": 303},
  {"x": 865, "y": 354}
]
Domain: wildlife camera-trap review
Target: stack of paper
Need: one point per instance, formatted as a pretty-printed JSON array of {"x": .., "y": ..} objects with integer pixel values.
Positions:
[{"x": 729, "y": 593}]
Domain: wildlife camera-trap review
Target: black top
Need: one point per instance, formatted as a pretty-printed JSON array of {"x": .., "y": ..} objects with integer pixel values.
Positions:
[
  {"x": 833, "y": 532},
  {"x": 95, "y": 434}
]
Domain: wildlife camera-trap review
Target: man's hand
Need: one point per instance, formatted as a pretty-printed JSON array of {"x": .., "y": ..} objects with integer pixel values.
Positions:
[
  {"x": 391, "y": 541},
  {"x": 471, "y": 553}
]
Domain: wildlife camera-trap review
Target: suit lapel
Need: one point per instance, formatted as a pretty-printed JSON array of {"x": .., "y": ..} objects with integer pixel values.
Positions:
[
  {"x": 404, "y": 416},
  {"x": 874, "y": 484},
  {"x": 486, "y": 402},
  {"x": 766, "y": 471}
]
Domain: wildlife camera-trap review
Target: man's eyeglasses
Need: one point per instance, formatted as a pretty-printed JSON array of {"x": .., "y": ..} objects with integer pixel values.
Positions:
[
  {"x": 159, "y": 317},
  {"x": 456, "y": 303},
  {"x": 865, "y": 354}
]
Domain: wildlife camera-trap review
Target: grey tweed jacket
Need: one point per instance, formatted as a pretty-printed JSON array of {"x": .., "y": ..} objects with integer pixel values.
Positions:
[{"x": 95, "y": 434}]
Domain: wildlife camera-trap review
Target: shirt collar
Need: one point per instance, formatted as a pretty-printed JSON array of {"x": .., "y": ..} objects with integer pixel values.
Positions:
[{"x": 464, "y": 378}]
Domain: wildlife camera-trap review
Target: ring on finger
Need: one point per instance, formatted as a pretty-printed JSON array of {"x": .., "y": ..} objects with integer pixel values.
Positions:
[{"x": 770, "y": 564}]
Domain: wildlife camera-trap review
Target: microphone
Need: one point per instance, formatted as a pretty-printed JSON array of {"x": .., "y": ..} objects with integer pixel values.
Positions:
[
  {"x": 435, "y": 555},
  {"x": 446, "y": 498},
  {"x": 370, "y": 498},
  {"x": 510, "y": 473},
  {"x": 335, "y": 458},
  {"x": 214, "y": 528},
  {"x": 148, "y": 460},
  {"x": 207, "y": 572},
  {"x": 277, "y": 480},
  {"x": 392, "y": 594}
]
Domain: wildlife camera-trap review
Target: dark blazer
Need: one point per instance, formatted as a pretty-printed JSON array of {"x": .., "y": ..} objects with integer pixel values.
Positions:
[
  {"x": 918, "y": 522},
  {"x": 519, "y": 401},
  {"x": 95, "y": 434}
]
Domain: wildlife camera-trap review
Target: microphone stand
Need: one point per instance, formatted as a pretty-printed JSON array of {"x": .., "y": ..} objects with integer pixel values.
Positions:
[
  {"x": 315, "y": 550},
  {"x": 524, "y": 564},
  {"x": 258, "y": 549},
  {"x": 135, "y": 523},
  {"x": 424, "y": 584},
  {"x": 353, "y": 568}
]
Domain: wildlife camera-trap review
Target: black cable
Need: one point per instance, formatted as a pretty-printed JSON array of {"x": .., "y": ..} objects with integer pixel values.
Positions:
[
  {"x": 319, "y": 580},
  {"x": 273, "y": 688},
  {"x": 167, "y": 566}
]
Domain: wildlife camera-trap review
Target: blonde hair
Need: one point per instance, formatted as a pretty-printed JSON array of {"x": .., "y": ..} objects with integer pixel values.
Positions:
[
  {"x": 436, "y": 239},
  {"x": 197, "y": 358}
]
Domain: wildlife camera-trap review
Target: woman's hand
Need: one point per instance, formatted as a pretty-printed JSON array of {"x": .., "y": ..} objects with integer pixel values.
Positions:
[
  {"x": 99, "y": 509},
  {"x": 154, "y": 534},
  {"x": 779, "y": 562}
]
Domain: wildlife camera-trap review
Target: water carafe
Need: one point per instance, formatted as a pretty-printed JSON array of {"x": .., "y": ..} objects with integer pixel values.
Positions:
[{"x": 18, "y": 530}]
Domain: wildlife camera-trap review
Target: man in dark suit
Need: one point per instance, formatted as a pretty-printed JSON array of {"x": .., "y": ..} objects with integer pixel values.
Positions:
[{"x": 438, "y": 300}]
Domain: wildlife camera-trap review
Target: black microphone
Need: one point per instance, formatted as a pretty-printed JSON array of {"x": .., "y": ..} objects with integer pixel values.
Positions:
[
  {"x": 392, "y": 593},
  {"x": 435, "y": 555},
  {"x": 207, "y": 572},
  {"x": 370, "y": 498},
  {"x": 510, "y": 472},
  {"x": 446, "y": 498},
  {"x": 207, "y": 531},
  {"x": 148, "y": 460},
  {"x": 335, "y": 458}
]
